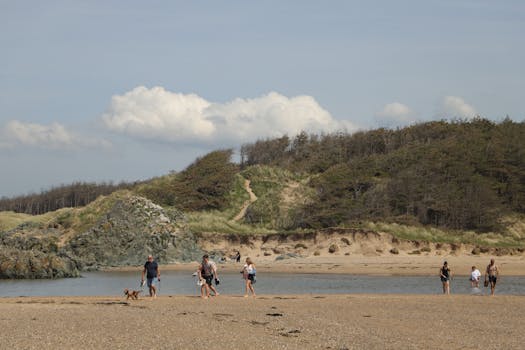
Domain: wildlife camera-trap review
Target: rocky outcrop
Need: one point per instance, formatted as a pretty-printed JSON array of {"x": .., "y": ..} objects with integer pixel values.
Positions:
[
  {"x": 129, "y": 228},
  {"x": 15, "y": 264},
  {"x": 133, "y": 228},
  {"x": 28, "y": 252}
]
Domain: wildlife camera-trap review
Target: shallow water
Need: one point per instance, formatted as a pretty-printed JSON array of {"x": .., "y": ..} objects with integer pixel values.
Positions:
[{"x": 183, "y": 283}]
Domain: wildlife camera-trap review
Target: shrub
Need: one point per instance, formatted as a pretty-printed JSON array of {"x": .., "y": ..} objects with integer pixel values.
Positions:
[{"x": 333, "y": 248}]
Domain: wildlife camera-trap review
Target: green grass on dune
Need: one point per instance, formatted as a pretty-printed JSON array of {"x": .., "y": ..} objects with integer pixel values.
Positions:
[
  {"x": 221, "y": 223},
  {"x": 236, "y": 198},
  {"x": 10, "y": 220}
]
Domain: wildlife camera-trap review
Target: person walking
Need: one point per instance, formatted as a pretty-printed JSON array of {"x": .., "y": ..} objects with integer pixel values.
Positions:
[
  {"x": 152, "y": 273},
  {"x": 208, "y": 272},
  {"x": 474, "y": 277},
  {"x": 445, "y": 275},
  {"x": 248, "y": 273},
  {"x": 491, "y": 275}
]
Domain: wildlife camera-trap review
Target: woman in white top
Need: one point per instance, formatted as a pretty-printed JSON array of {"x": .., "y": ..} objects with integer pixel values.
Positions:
[{"x": 248, "y": 273}]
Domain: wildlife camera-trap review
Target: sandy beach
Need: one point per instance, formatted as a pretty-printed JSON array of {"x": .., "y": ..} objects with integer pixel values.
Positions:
[
  {"x": 265, "y": 322},
  {"x": 279, "y": 321}
]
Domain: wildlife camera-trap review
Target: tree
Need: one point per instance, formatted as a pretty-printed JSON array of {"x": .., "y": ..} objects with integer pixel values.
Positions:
[{"x": 204, "y": 184}]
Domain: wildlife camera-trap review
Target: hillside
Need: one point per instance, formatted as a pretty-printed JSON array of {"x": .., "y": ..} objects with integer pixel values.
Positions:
[
  {"x": 464, "y": 175},
  {"x": 120, "y": 229},
  {"x": 434, "y": 186},
  {"x": 460, "y": 175}
]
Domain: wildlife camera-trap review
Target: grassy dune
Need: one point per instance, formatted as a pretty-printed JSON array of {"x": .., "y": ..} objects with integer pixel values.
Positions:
[
  {"x": 279, "y": 192},
  {"x": 9, "y": 220}
]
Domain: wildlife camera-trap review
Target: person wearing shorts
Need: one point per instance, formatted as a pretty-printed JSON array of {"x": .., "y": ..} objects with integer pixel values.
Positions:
[
  {"x": 445, "y": 274},
  {"x": 152, "y": 273},
  {"x": 491, "y": 275},
  {"x": 248, "y": 274},
  {"x": 208, "y": 272}
]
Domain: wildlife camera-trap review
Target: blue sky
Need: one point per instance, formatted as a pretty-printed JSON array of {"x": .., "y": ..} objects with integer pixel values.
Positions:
[{"x": 128, "y": 90}]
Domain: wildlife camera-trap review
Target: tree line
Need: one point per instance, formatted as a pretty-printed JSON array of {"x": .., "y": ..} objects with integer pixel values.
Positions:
[
  {"x": 77, "y": 194},
  {"x": 203, "y": 185}
]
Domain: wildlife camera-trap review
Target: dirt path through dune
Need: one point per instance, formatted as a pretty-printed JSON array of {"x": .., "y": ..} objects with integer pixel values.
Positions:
[{"x": 246, "y": 204}]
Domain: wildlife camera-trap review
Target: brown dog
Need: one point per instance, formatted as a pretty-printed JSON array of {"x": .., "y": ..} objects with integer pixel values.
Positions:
[{"x": 133, "y": 294}]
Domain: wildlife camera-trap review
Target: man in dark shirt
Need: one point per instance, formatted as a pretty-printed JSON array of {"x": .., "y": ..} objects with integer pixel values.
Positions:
[{"x": 151, "y": 270}]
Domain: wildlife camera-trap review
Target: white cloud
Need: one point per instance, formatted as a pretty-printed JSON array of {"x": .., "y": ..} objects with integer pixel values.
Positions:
[
  {"x": 53, "y": 136},
  {"x": 454, "y": 106},
  {"x": 395, "y": 110},
  {"x": 395, "y": 114},
  {"x": 186, "y": 118}
]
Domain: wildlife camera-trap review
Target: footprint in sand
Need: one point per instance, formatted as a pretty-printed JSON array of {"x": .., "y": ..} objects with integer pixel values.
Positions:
[{"x": 290, "y": 333}]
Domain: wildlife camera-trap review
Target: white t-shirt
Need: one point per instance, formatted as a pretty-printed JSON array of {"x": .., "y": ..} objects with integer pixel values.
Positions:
[
  {"x": 249, "y": 269},
  {"x": 474, "y": 276}
]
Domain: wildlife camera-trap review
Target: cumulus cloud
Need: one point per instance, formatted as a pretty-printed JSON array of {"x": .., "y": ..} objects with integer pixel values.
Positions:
[
  {"x": 395, "y": 114},
  {"x": 186, "y": 118},
  {"x": 53, "y": 136},
  {"x": 454, "y": 106}
]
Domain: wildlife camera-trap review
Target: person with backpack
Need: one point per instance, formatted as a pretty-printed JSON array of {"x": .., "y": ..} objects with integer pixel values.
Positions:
[
  {"x": 249, "y": 275},
  {"x": 208, "y": 272}
]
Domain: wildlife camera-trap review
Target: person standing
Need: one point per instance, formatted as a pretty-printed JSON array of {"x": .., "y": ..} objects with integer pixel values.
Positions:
[
  {"x": 491, "y": 275},
  {"x": 248, "y": 273},
  {"x": 474, "y": 277},
  {"x": 151, "y": 270},
  {"x": 208, "y": 272},
  {"x": 445, "y": 274},
  {"x": 238, "y": 257}
]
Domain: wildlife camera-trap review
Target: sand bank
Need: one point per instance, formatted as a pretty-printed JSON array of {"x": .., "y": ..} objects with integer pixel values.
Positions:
[
  {"x": 267, "y": 322},
  {"x": 370, "y": 265}
]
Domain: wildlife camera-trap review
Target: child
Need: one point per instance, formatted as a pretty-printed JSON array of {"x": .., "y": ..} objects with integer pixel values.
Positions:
[{"x": 474, "y": 277}]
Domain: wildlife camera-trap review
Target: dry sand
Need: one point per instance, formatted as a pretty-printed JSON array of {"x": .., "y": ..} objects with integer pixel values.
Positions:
[
  {"x": 396, "y": 265},
  {"x": 267, "y": 322},
  {"x": 371, "y": 265}
]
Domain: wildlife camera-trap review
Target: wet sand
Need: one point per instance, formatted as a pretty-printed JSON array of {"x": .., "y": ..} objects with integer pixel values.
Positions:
[{"x": 266, "y": 322}]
